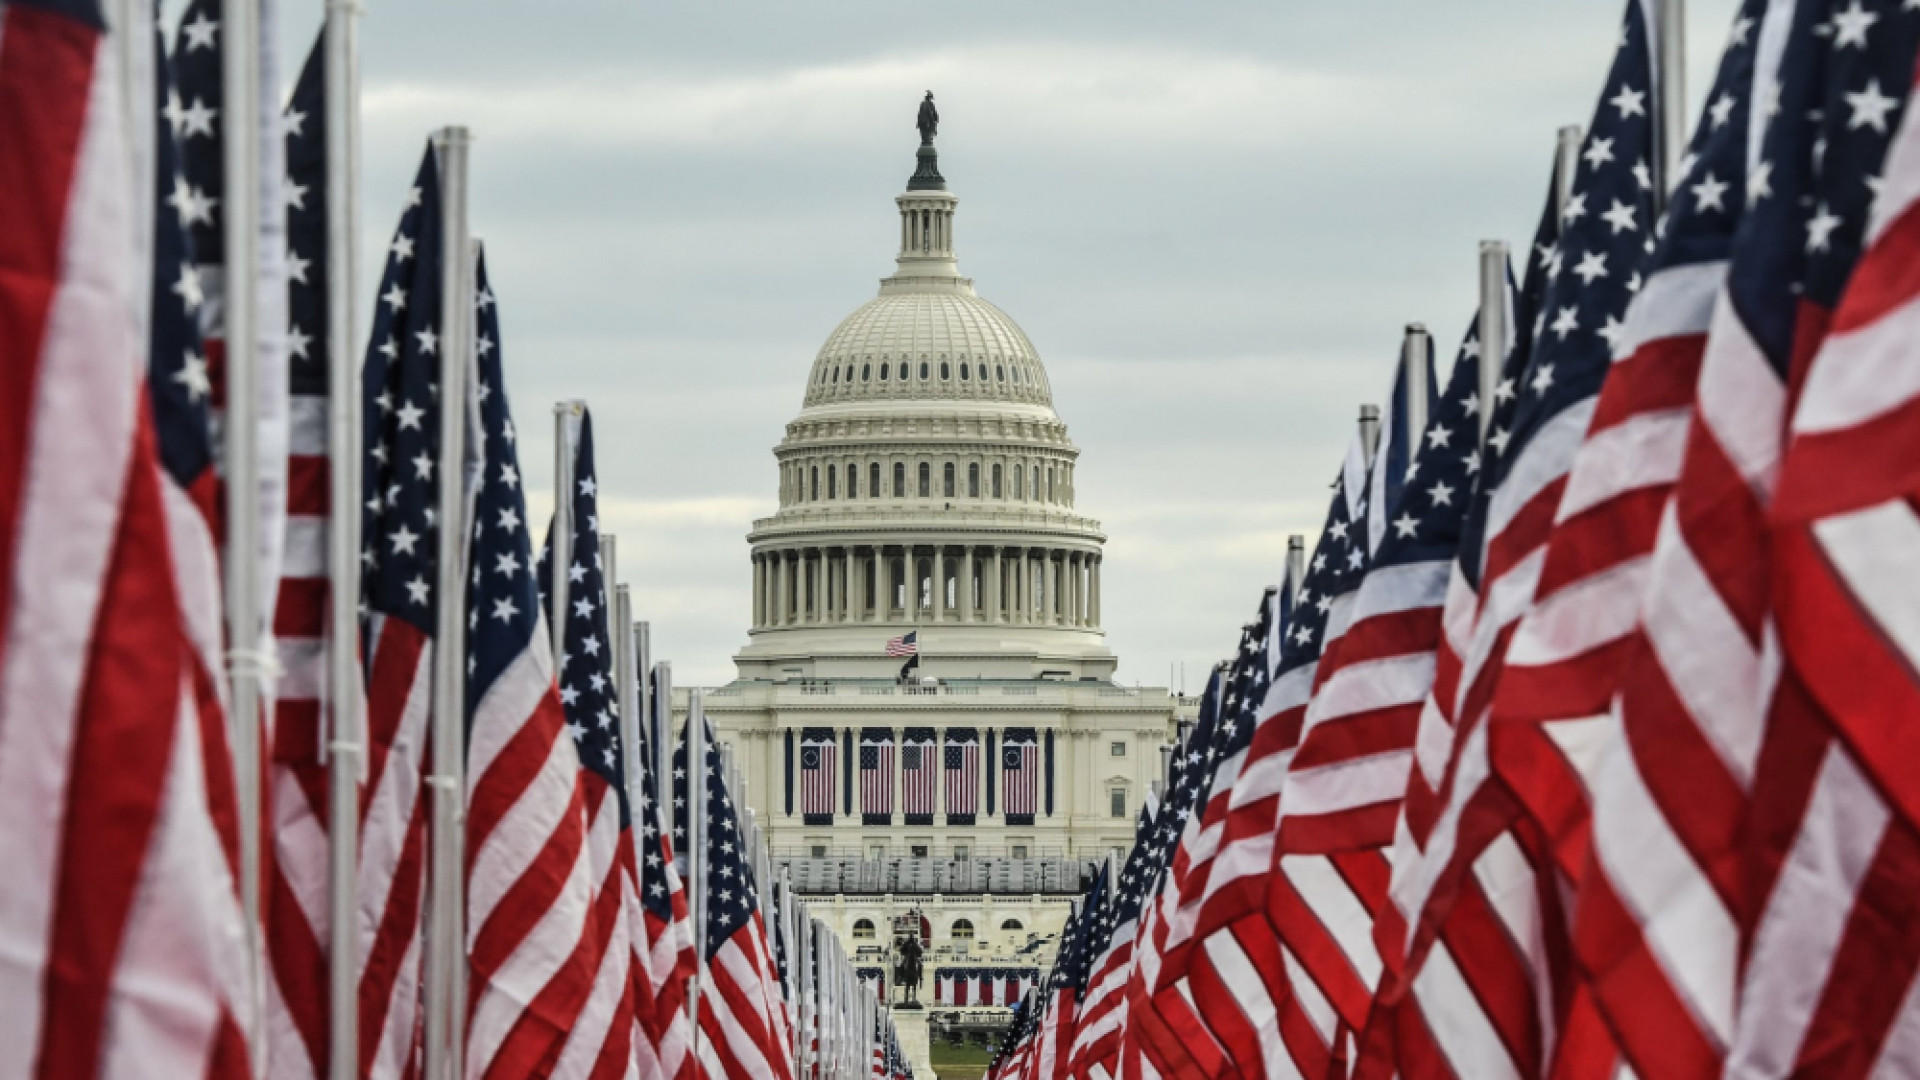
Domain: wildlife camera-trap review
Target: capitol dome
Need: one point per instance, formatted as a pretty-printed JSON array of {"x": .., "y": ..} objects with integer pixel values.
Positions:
[{"x": 927, "y": 486}]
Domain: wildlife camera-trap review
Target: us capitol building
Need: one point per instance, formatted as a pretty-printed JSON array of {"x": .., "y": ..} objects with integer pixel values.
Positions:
[{"x": 927, "y": 489}]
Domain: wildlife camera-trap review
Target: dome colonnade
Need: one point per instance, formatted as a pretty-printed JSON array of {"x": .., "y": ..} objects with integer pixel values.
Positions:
[{"x": 892, "y": 583}]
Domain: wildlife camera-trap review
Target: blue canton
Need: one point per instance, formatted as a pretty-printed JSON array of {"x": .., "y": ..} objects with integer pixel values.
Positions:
[
  {"x": 401, "y": 417},
  {"x": 731, "y": 903},
  {"x": 306, "y": 190},
  {"x": 587, "y": 691},
  {"x": 178, "y": 380}
]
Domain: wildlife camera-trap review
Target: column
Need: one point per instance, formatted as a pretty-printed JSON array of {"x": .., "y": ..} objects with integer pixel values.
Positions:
[
  {"x": 1070, "y": 590},
  {"x": 966, "y": 584},
  {"x": 1079, "y": 589},
  {"x": 777, "y": 581},
  {"x": 1029, "y": 606},
  {"x": 992, "y": 588},
  {"x": 759, "y": 592},
  {"x": 939, "y": 566},
  {"x": 849, "y": 606},
  {"x": 1093, "y": 584},
  {"x": 819, "y": 560},
  {"x": 1053, "y": 589},
  {"x": 883, "y": 571}
]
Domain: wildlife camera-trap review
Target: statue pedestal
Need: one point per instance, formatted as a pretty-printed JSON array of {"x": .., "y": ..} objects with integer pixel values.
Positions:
[{"x": 916, "y": 1040}]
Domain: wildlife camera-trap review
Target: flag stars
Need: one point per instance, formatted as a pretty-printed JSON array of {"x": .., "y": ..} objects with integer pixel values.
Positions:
[
  {"x": 193, "y": 376},
  {"x": 403, "y": 540},
  {"x": 1721, "y": 110},
  {"x": 1542, "y": 379},
  {"x": 1439, "y": 437},
  {"x": 1621, "y": 217},
  {"x": 1710, "y": 194},
  {"x": 395, "y": 298},
  {"x": 1850, "y": 27},
  {"x": 1599, "y": 152},
  {"x": 1406, "y": 525},
  {"x": 188, "y": 288},
  {"x": 429, "y": 341},
  {"x": 417, "y": 591},
  {"x": 1593, "y": 266},
  {"x": 1870, "y": 108},
  {"x": 409, "y": 415},
  {"x": 402, "y": 247},
  {"x": 1821, "y": 227},
  {"x": 1566, "y": 322},
  {"x": 199, "y": 33}
]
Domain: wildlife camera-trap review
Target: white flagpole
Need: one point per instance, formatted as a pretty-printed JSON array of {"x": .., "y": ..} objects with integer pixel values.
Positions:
[
  {"x": 566, "y": 432},
  {"x": 1370, "y": 431},
  {"x": 1296, "y": 565},
  {"x": 1566, "y": 159},
  {"x": 1414, "y": 349},
  {"x": 346, "y": 698},
  {"x": 446, "y": 972},
  {"x": 1670, "y": 58},
  {"x": 246, "y": 655},
  {"x": 639, "y": 740},
  {"x": 1493, "y": 325},
  {"x": 661, "y": 734},
  {"x": 629, "y": 691},
  {"x": 697, "y": 854}
]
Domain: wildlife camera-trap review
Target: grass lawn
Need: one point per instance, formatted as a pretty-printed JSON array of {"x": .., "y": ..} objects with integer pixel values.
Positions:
[{"x": 960, "y": 1062}]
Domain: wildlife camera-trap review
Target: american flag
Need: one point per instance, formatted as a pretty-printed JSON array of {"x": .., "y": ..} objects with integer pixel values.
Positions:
[
  {"x": 819, "y": 765},
  {"x": 530, "y": 892},
  {"x": 1592, "y": 276},
  {"x": 919, "y": 774},
  {"x": 1067, "y": 984},
  {"x": 1103, "y": 1013},
  {"x": 298, "y": 933},
  {"x": 662, "y": 931},
  {"x": 744, "y": 1029},
  {"x": 1827, "y": 981},
  {"x": 1163, "y": 1033},
  {"x": 199, "y": 115},
  {"x": 876, "y": 776},
  {"x": 905, "y": 645},
  {"x": 115, "y": 777},
  {"x": 1843, "y": 590},
  {"x": 962, "y": 767},
  {"x": 402, "y": 417},
  {"x": 1020, "y": 775},
  {"x": 1564, "y": 665},
  {"x": 600, "y": 1019}
]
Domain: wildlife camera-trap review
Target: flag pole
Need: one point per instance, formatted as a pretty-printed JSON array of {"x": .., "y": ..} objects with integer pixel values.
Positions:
[
  {"x": 446, "y": 939},
  {"x": 1670, "y": 54},
  {"x": 1370, "y": 431},
  {"x": 566, "y": 429},
  {"x": 661, "y": 721},
  {"x": 1493, "y": 326},
  {"x": 1566, "y": 160},
  {"x": 641, "y": 682},
  {"x": 629, "y": 691},
  {"x": 1296, "y": 565},
  {"x": 346, "y": 750},
  {"x": 1414, "y": 350},
  {"x": 696, "y": 853}
]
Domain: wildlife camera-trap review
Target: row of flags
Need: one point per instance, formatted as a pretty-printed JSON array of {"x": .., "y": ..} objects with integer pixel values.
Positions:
[
  {"x": 864, "y": 781},
  {"x": 1581, "y": 746},
  {"x": 404, "y": 815}
]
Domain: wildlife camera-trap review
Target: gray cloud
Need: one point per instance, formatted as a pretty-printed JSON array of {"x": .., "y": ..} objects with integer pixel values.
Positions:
[{"x": 1212, "y": 219}]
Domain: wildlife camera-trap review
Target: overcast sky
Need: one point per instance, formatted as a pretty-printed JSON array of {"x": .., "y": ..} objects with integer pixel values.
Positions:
[{"x": 1212, "y": 218}]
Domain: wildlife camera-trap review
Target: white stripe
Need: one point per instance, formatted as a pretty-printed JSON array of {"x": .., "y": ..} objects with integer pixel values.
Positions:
[
  {"x": 1874, "y": 551},
  {"x": 1680, "y": 915},
  {"x": 1352, "y": 784},
  {"x": 1741, "y": 398},
  {"x": 306, "y": 547},
  {"x": 1462, "y": 1031},
  {"x": 1645, "y": 450},
  {"x": 1250, "y": 994},
  {"x": 1341, "y": 913},
  {"x": 307, "y": 425},
  {"x": 1795, "y": 943},
  {"x": 1676, "y": 301},
  {"x": 394, "y": 1038},
  {"x": 1862, "y": 375},
  {"x": 588, "y": 1034},
  {"x": 1546, "y": 458},
  {"x": 185, "y": 941},
  {"x": 1391, "y": 589},
  {"x": 1374, "y": 684},
  {"x": 75, "y": 466},
  {"x": 1707, "y": 658},
  {"x": 1582, "y": 616},
  {"x": 1313, "y": 1005}
]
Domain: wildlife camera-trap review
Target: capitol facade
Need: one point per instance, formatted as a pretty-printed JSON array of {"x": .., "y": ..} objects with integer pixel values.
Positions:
[{"x": 925, "y": 712}]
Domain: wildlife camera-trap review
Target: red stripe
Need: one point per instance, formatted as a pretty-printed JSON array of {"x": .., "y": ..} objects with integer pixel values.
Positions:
[
  {"x": 301, "y": 608},
  {"x": 533, "y": 893},
  {"x": 46, "y": 78},
  {"x": 398, "y": 927},
  {"x": 518, "y": 763},
  {"x": 307, "y": 486},
  {"x": 300, "y": 971},
  {"x": 121, "y": 758}
]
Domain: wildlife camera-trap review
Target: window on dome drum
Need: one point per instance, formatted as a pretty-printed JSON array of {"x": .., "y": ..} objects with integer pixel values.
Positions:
[
  {"x": 973, "y": 480},
  {"x": 899, "y": 480},
  {"x": 1019, "y": 488},
  {"x": 996, "y": 482},
  {"x": 863, "y": 929},
  {"x": 946, "y": 372},
  {"x": 1012, "y": 924},
  {"x": 873, "y": 480},
  {"x": 923, "y": 369},
  {"x": 1118, "y": 749},
  {"x": 947, "y": 488},
  {"x": 962, "y": 930},
  {"x": 853, "y": 481},
  {"x": 815, "y": 496},
  {"x": 1118, "y": 798},
  {"x": 883, "y": 373},
  {"x": 926, "y": 480},
  {"x": 836, "y": 374},
  {"x": 1036, "y": 481},
  {"x": 963, "y": 373},
  {"x": 1000, "y": 372},
  {"x": 833, "y": 482},
  {"x": 1016, "y": 373},
  {"x": 866, "y": 372},
  {"x": 1049, "y": 485}
]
